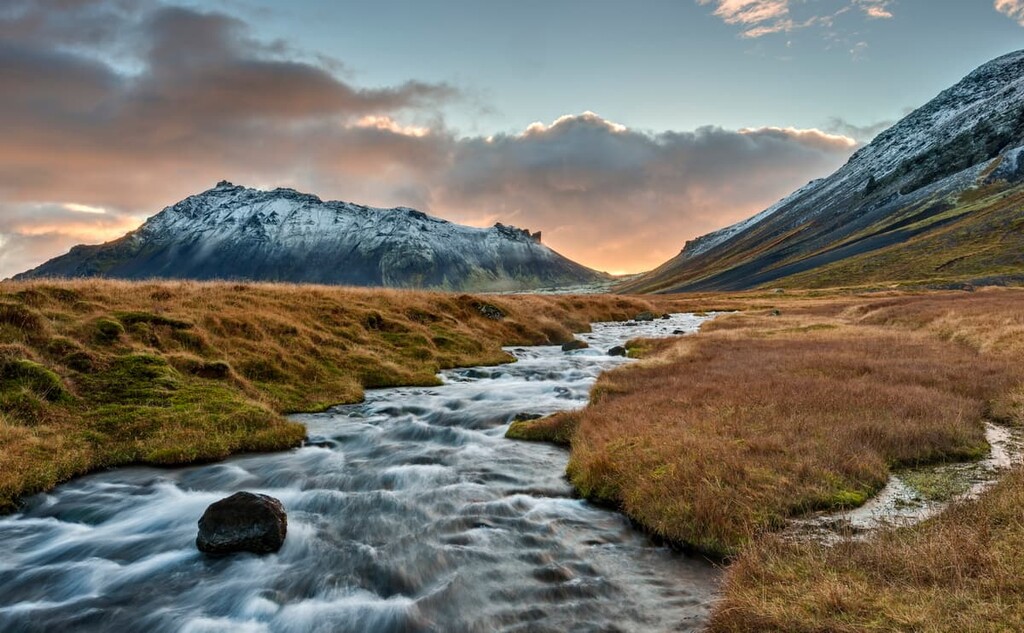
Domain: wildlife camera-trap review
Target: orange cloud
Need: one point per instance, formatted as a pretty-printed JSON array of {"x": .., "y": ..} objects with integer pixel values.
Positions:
[
  {"x": 1011, "y": 8},
  {"x": 210, "y": 103}
]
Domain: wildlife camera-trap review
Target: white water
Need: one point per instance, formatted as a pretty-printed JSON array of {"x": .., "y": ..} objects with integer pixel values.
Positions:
[{"x": 412, "y": 513}]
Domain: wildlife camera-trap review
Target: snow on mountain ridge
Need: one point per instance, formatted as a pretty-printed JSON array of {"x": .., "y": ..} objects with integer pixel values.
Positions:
[
  {"x": 233, "y": 232},
  {"x": 992, "y": 92},
  {"x": 285, "y": 216}
]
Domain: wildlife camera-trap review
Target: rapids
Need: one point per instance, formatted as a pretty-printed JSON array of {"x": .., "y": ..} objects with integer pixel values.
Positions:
[{"x": 407, "y": 512}]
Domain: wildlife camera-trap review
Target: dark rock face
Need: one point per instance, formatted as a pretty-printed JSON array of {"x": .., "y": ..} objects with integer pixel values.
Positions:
[
  {"x": 574, "y": 345},
  {"x": 526, "y": 417},
  {"x": 243, "y": 522},
  {"x": 618, "y": 350}
]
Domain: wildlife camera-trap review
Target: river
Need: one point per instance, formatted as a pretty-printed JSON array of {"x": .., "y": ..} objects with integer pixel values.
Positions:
[{"x": 407, "y": 512}]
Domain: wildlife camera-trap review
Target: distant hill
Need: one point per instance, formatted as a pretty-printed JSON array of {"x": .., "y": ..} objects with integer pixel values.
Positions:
[
  {"x": 937, "y": 198},
  {"x": 232, "y": 232}
]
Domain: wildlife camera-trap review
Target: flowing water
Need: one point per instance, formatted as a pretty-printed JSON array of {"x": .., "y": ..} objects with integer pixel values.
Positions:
[{"x": 408, "y": 512}]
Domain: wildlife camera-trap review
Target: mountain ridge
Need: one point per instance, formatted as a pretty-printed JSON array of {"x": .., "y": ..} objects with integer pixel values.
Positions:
[
  {"x": 967, "y": 138},
  {"x": 234, "y": 232}
]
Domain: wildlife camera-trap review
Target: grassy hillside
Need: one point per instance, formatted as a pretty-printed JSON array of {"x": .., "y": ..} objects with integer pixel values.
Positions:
[
  {"x": 980, "y": 235},
  {"x": 974, "y": 236},
  {"x": 720, "y": 437},
  {"x": 98, "y": 374}
]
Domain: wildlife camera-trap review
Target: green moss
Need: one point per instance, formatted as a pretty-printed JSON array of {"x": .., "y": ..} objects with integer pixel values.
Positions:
[
  {"x": 936, "y": 484},
  {"x": 848, "y": 499},
  {"x": 134, "y": 379},
  {"x": 556, "y": 429},
  {"x": 21, "y": 374},
  {"x": 107, "y": 330}
]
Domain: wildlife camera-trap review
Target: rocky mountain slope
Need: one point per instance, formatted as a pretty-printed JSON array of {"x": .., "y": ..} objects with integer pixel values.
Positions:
[
  {"x": 232, "y": 232},
  {"x": 937, "y": 197}
]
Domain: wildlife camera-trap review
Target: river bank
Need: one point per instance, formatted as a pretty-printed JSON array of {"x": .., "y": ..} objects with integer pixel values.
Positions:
[
  {"x": 407, "y": 512},
  {"x": 883, "y": 413},
  {"x": 98, "y": 374}
]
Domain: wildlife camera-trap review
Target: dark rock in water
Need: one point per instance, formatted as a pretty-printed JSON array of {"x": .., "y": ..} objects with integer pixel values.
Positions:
[
  {"x": 320, "y": 442},
  {"x": 631, "y": 323},
  {"x": 618, "y": 350},
  {"x": 677, "y": 332},
  {"x": 644, "y": 316},
  {"x": 526, "y": 417},
  {"x": 574, "y": 345},
  {"x": 243, "y": 522},
  {"x": 666, "y": 316}
]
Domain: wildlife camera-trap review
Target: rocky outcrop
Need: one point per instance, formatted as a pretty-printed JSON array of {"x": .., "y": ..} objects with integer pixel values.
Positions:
[{"x": 243, "y": 522}]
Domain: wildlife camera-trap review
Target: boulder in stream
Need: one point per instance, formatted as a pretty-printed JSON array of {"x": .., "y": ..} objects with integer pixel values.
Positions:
[
  {"x": 574, "y": 345},
  {"x": 243, "y": 522},
  {"x": 618, "y": 350}
]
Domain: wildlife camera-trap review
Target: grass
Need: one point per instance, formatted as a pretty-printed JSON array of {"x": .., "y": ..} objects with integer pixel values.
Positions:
[
  {"x": 802, "y": 405},
  {"x": 935, "y": 485},
  {"x": 555, "y": 429},
  {"x": 96, "y": 374},
  {"x": 984, "y": 239},
  {"x": 960, "y": 572}
]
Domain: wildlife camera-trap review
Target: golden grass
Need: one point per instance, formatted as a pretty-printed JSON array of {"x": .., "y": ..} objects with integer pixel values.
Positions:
[
  {"x": 960, "y": 572},
  {"x": 724, "y": 435},
  {"x": 96, "y": 374}
]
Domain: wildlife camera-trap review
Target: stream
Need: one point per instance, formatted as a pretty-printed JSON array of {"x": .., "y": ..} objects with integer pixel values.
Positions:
[{"x": 407, "y": 512}]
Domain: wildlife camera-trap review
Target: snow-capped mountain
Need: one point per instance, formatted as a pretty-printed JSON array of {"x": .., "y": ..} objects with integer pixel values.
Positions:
[
  {"x": 232, "y": 232},
  {"x": 903, "y": 186}
]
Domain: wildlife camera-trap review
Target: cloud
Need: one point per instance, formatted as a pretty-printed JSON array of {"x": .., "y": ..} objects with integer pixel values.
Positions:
[
  {"x": 747, "y": 12},
  {"x": 1011, "y": 8},
  {"x": 861, "y": 133},
  {"x": 758, "y": 18},
  {"x": 876, "y": 9},
  {"x": 609, "y": 195},
  {"x": 148, "y": 104}
]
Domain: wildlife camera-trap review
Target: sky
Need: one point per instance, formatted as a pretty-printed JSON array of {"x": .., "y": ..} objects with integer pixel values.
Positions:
[{"x": 619, "y": 129}]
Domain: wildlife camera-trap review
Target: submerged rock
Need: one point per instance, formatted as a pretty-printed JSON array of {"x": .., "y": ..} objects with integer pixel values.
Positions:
[
  {"x": 243, "y": 522},
  {"x": 574, "y": 345},
  {"x": 618, "y": 350},
  {"x": 526, "y": 417}
]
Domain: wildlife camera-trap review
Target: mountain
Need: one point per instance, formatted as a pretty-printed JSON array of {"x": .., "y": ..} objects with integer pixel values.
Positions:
[
  {"x": 939, "y": 197},
  {"x": 232, "y": 232}
]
